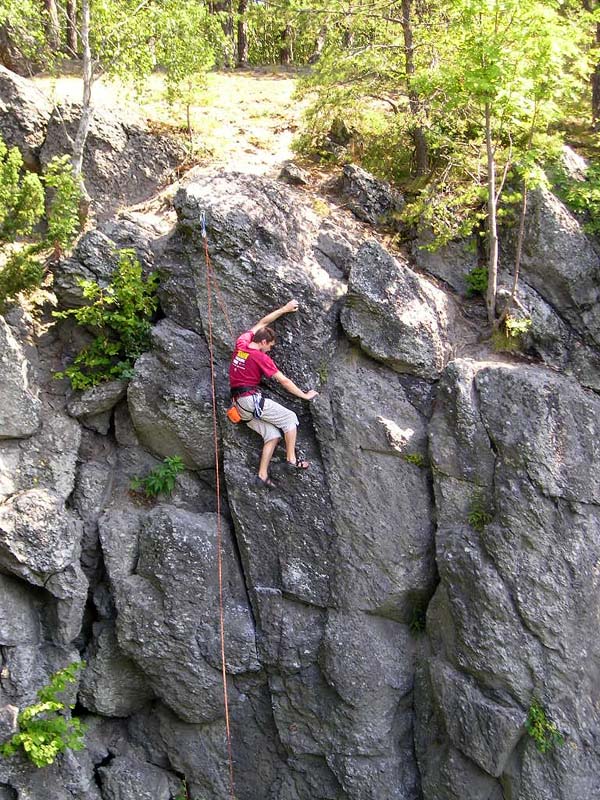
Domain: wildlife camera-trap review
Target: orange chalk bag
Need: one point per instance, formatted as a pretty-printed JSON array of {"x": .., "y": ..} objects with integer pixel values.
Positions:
[{"x": 233, "y": 415}]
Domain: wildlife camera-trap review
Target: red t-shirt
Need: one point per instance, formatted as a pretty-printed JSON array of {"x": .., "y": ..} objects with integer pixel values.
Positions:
[{"x": 249, "y": 365}]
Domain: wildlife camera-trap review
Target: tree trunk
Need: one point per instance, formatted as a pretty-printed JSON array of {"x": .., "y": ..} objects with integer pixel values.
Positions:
[
  {"x": 52, "y": 25},
  {"x": 596, "y": 87},
  {"x": 590, "y": 6},
  {"x": 86, "y": 108},
  {"x": 242, "y": 34},
  {"x": 417, "y": 133},
  {"x": 492, "y": 219},
  {"x": 286, "y": 51},
  {"x": 71, "y": 30},
  {"x": 319, "y": 45}
]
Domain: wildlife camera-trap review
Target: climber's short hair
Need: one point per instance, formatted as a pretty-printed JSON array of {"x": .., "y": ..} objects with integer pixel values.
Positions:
[{"x": 264, "y": 335}]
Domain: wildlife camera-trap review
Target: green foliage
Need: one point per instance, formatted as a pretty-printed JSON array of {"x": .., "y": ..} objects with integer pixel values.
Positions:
[
  {"x": 21, "y": 196},
  {"x": 583, "y": 197},
  {"x": 183, "y": 793},
  {"x": 479, "y": 512},
  {"x": 508, "y": 338},
  {"x": 45, "y": 728},
  {"x": 162, "y": 479},
  {"x": 544, "y": 733},
  {"x": 418, "y": 619},
  {"x": 22, "y": 203},
  {"x": 477, "y": 281},
  {"x": 65, "y": 194},
  {"x": 119, "y": 316},
  {"x": 415, "y": 458}
]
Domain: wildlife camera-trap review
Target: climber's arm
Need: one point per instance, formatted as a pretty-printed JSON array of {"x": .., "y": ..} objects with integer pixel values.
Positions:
[
  {"x": 269, "y": 318},
  {"x": 291, "y": 387}
]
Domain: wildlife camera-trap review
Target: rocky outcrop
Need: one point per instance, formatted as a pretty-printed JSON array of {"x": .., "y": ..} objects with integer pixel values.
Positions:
[
  {"x": 391, "y": 613},
  {"x": 371, "y": 200},
  {"x": 423, "y": 326},
  {"x": 20, "y": 411},
  {"x": 124, "y": 163},
  {"x": 24, "y": 116}
]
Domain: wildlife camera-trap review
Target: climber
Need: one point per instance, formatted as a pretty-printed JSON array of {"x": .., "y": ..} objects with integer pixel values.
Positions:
[{"x": 248, "y": 365}]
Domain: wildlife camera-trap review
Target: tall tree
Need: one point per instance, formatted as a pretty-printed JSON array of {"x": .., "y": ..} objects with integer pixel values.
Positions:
[
  {"x": 242, "y": 34},
  {"x": 71, "y": 27}
]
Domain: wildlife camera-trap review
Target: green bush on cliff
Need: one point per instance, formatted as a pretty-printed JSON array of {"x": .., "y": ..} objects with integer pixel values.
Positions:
[
  {"x": 25, "y": 253},
  {"x": 45, "y": 730},
  {"x": 119, "y": 316},
  {"x": 544, "y": 733},
  {"x": 162, "y": 479}
]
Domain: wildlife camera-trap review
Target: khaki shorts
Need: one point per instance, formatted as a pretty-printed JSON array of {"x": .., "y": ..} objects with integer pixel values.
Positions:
[{"x": 274, "y": 416}]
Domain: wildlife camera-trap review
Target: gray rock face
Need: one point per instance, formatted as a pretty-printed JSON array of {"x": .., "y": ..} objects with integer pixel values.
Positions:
[
  {"x": 112, "y": 685},
  {"x": 169, "y": 627},
  {"x": 559, "y": 262},
  {"x": 364, "y": 432},
  {"x": 129, "y": 778},
  {"x": 334, "y": 694},
  {"x": 370, "y": 199},
  {"x": 262, "y": 240},
  {"x": 170, "y": 398},
  {"x": 20, "y": 409},
  {"x": 24, "y": 116},
  {"x": 491, "y": 606},
  {"x": 124, "y": 163},
  {"x": 422, "y": 324}
]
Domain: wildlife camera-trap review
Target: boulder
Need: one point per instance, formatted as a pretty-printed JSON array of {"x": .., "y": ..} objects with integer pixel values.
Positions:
[
  {"x": 170, "y": 397},
  {"x": 24, "y": 115},
  {"x": 46, "y": 460},
  {"x": 124, "y": 162},
  {"x": 370, "y": 199},
  {"x": 399, "y": 318},
  {"x": 451, "y": 262},
  {"x": 38, "y": 537},
  {"x": 294, "y": 175},
  {"x": 20, "y": 410}
]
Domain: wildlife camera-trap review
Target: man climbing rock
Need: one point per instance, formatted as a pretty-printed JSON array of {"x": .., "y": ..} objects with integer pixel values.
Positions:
[{"x": 268, "y": 418}]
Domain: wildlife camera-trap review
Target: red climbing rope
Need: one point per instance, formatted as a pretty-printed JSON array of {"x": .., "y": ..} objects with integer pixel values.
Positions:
[{"x": 210, "y": 279}]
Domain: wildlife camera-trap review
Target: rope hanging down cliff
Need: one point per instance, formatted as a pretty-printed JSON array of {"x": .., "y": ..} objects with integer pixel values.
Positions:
[{"x": 210, "y": 281}]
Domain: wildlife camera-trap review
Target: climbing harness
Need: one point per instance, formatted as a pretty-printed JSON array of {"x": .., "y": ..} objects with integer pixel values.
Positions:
[
  {"x": 257, "y": 398},
  {"x": 210, "y": 279}
]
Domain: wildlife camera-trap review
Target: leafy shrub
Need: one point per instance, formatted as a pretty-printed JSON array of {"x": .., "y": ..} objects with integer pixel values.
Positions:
[
  {"x": 509, "y": 337},
  {"x": 479, "y": 512},
  {"x": 120, "y": 317},
  {"x": 583, "y": 197},
  {"x": 22, "y": 272},
  {"x": 477, "y": 281},
  {"x": 44, "y": 729},
  {"x": 162, "y": 479},
  {"x": 544, "y": 733},
  {"x": 22, "y": 203}
]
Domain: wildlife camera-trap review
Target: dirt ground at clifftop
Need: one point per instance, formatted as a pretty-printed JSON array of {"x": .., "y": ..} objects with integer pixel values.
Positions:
[{"x": 243, "y": 120}]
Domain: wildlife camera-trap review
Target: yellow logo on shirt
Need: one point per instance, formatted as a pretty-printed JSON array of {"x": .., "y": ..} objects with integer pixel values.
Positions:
[{"x": 240, "y": 358}]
